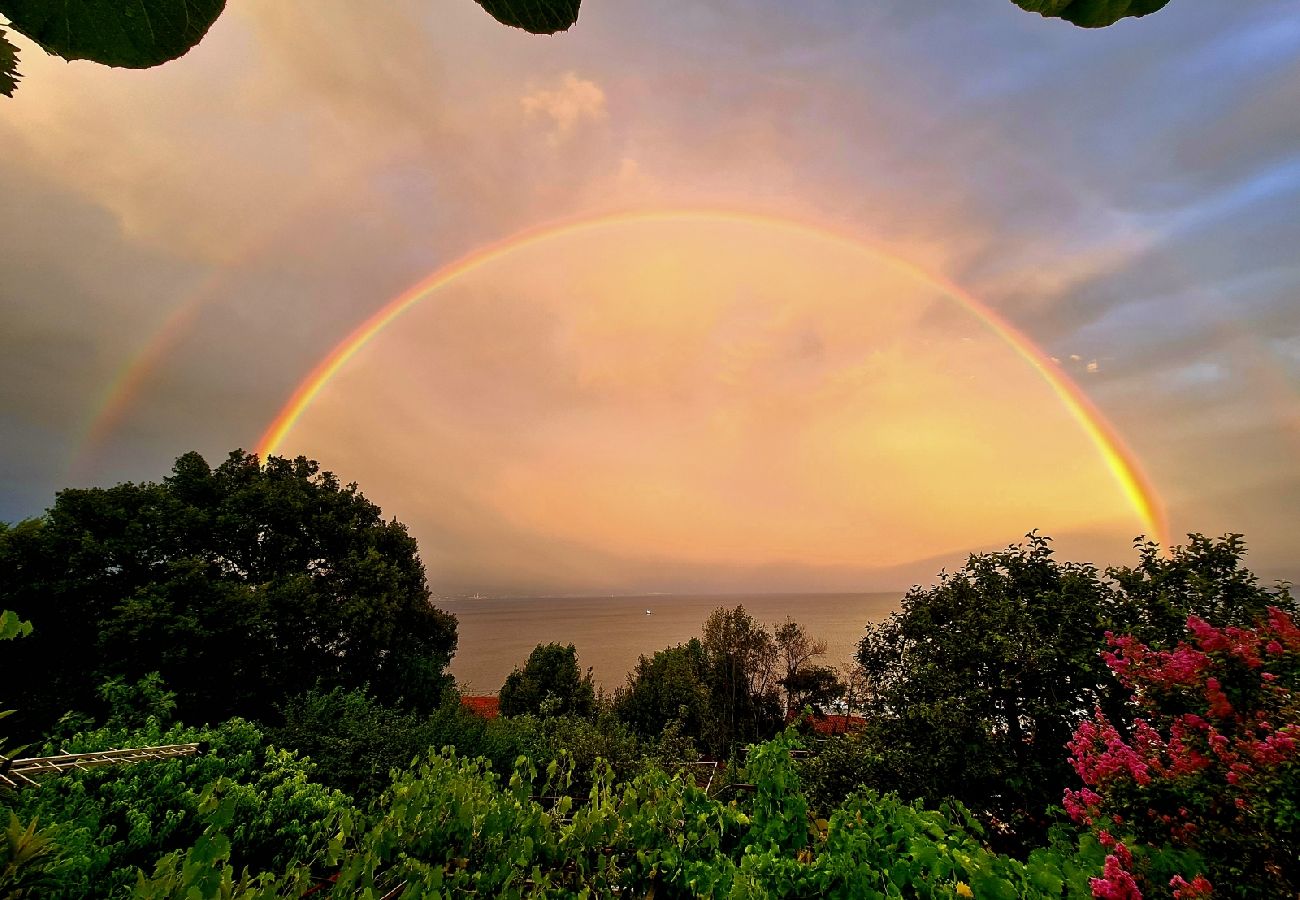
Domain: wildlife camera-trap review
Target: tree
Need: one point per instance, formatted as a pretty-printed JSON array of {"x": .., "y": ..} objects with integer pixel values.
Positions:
[
  {"x": 669, "y": 687},
  {"x": 981, "y": 678},
  {"x": 1205, "y": 578},
  {"x": 148, "y": 33},
  {"x": 795, "y": 650},
  {"x": 815, "y": 686},
  {"x": 550, "y": 683},
  {"x": 740, "y": 673},
  {"x": 355, "y": 741},
  {"x": 242, "y": 585}
]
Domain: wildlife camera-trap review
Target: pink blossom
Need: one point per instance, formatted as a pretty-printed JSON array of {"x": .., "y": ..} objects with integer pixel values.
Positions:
[
  {"x": 1115, "y": 883},
  {"x": 1198, "y": 889}
]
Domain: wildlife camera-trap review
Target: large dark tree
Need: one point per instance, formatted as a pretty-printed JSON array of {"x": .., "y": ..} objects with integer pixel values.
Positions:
[
  {"x": 981, "y": 678},
  {"x": 242, "y": 585}
]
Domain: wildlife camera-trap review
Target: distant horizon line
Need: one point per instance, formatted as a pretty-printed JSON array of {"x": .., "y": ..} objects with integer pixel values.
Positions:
[{"x": 651, "y": 594}]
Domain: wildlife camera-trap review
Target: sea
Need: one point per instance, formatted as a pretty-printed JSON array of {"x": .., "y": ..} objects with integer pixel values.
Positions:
[{"x": 610, "y": 633}]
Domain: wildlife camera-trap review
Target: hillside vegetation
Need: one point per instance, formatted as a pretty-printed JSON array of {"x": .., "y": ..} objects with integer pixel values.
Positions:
[{"x": 1029, "y": 727}]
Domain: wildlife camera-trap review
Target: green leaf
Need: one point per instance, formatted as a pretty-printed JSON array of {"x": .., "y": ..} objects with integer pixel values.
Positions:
[
  {"x": 10, "y": 625},
  {"x": 133, "y": 34},
  {"x": 8, "y": 66},
  {"x": 1091, "y": 13},
  {"x": 535, "y": 16}
]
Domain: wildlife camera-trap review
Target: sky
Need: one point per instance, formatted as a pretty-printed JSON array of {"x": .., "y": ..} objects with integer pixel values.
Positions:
[{"x": 738, "y": 296}]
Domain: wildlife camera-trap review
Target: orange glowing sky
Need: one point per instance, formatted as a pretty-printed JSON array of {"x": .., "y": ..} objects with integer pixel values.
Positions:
[
  {"x": 678, "y": 405},
  {"x": 724, "y": 395}
]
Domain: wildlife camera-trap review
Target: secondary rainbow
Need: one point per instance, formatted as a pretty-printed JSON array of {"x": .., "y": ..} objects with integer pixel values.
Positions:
[{"x": 1119, "y": 460}]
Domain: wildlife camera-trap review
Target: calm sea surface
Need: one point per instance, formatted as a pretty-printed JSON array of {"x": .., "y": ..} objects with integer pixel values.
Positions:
[{"x": 497, "y": 634}]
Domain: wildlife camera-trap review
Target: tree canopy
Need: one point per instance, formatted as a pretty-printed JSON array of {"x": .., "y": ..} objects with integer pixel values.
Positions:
[
  {"x": 242, "y": 585},
  {"x": 550, "y": 683},
  {"x": 981, "y": 678}
]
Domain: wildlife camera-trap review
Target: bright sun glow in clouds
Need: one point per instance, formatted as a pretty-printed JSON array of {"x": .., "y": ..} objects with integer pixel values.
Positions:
[{"x": 656, "y": 395}]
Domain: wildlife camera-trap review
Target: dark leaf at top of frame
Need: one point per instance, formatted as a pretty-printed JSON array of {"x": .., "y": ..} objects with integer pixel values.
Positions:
[
  {"x": 133, "y": 34},
  {"x": 8, "y": 66},
  {"x": 1092, "y": 13},
  {"x": 536, "y": 16}
]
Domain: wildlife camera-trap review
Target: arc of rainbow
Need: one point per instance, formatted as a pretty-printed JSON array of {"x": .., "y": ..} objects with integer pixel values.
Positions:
[
  {"x": 123, "y": 389},
  {"x": 1116, "y": 455}
]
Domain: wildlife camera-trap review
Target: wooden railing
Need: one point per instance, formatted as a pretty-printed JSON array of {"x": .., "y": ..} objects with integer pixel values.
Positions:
[{"x": 15, "y": 773}]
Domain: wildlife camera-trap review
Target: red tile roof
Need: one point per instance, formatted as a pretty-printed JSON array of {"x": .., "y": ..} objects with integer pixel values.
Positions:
[
  {"x": 833, "y": 724},
  {"x": 487, "y": 707}
]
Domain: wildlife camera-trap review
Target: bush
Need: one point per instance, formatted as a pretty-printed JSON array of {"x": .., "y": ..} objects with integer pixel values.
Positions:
[
  {"x": 109, "y": 822},
  {"x": 1209, "y": 763}
]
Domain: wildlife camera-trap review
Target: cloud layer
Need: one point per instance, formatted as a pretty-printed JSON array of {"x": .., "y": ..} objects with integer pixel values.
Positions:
[{"x": 1125, "y": 197}]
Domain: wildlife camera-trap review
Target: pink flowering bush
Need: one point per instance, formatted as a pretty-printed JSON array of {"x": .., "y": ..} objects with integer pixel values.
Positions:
[{"x": 1209, "y": 763}]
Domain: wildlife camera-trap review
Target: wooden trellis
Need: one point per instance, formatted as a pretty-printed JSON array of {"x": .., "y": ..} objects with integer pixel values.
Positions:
[{"x": 15, "y": 773}]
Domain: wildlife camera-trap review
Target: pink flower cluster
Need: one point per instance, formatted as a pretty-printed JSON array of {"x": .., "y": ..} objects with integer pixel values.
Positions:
[
  {"x": 1116, "y": 881},
  {"x": 1197, "y": 889},
  {"x": 1247, "y": 726}
]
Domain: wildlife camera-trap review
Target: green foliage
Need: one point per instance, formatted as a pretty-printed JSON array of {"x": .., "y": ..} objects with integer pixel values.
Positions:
[
  {"x": 205, "y": 869},
  {"x": 355, "y": 741},
  {"x": 740, "y": 673},
  {"x": 110, "y": 821},
  {"x": 8, "y": 66},
  {"x": 453, "y": 827},
  {"x": 242, "y": 585},
  {"x": 550, "y": 683},
  {"x": 1205, "y": 578},
  {"x": 133, "y": 704},
  {"x": 135, "y": 34},
  {"x": 535, "y": 16},
  {"x": 666, "y": 689},
  {"x": 30, "y": 864},
  {"x": 1092, "y": 13},
  {"x": 12, "y": 627},
  {"x": 725, "y": 687},
  {"x": 588, "y": 746},
  {"x": 980, "y": 679},
  {"x": 813, "y": 686}
]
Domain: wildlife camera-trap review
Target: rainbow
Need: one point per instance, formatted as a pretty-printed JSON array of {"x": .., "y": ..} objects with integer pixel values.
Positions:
[
  {"x": 124, "y": 388},
  {"x": 1115, "y": 454}
]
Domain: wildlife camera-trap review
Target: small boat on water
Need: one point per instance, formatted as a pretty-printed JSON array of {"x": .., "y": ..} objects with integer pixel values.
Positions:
[{"x": 647, "y": 612}]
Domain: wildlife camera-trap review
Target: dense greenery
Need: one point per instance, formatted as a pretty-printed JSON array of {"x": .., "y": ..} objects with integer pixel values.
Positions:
[
  {"x": 276, "y": 602},
  {"x": 737, "y": 683},
  {"x": 110, "y": 822},
  {"x": 243, "y": 586},
  {"x": 981, "y": 678},
  {"x": 452, "y": 826}
]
